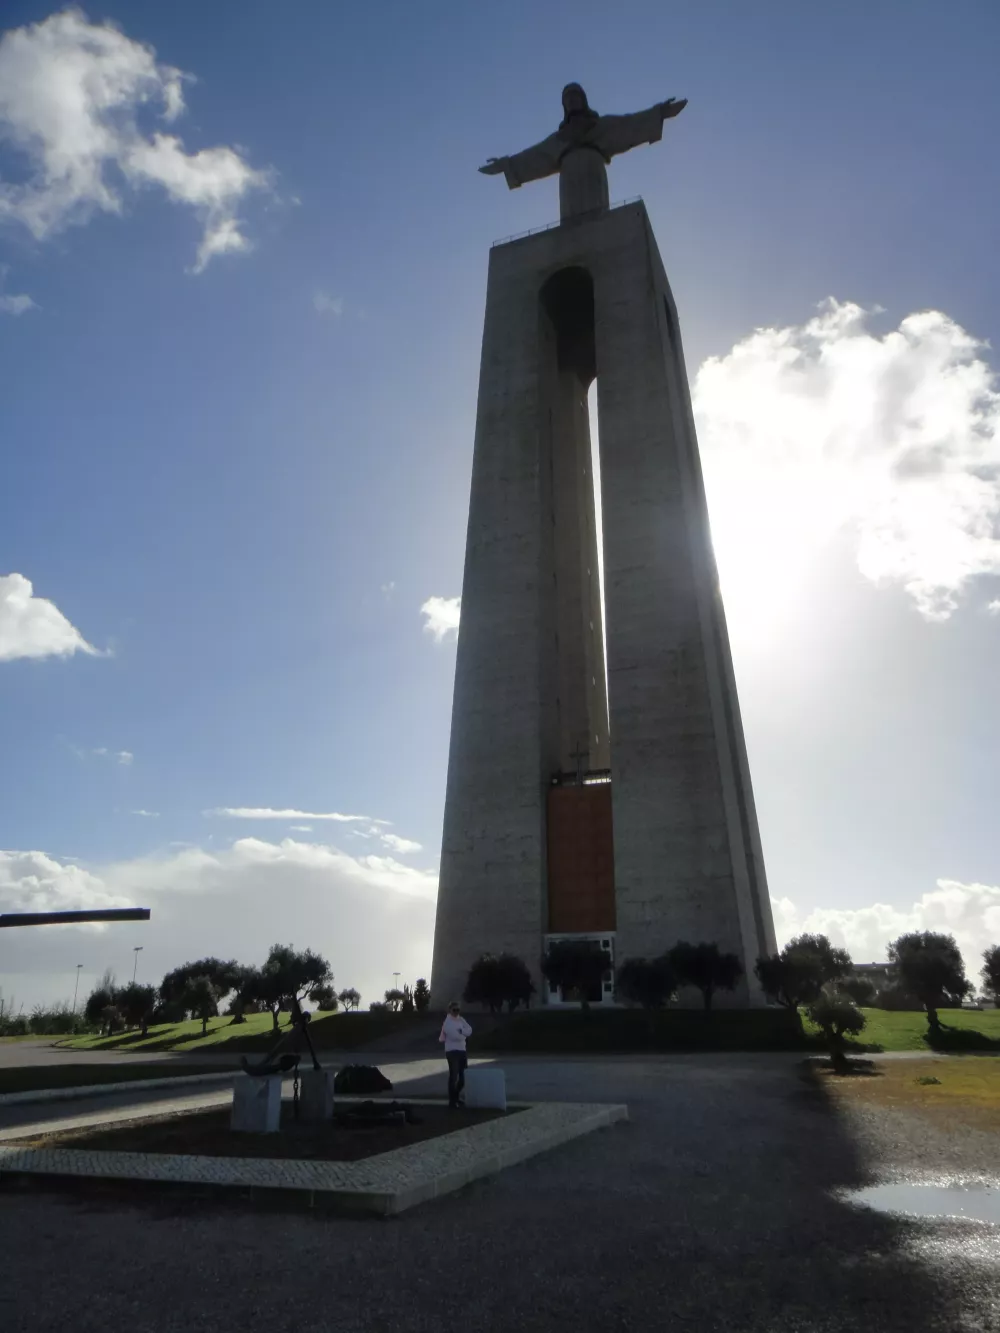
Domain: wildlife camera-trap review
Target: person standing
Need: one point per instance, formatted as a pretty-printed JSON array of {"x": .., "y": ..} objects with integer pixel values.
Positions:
[{"x": 454, "y": 1032}]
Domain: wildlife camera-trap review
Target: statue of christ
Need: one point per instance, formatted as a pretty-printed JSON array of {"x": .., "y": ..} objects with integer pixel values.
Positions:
[{"x": 581, "y": 148}]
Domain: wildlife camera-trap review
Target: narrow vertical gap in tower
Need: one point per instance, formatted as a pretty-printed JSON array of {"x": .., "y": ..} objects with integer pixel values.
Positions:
[{"x": 595, "y": 472}]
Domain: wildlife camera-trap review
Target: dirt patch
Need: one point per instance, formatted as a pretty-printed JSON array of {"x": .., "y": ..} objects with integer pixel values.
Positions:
[
  {"x": 951, "y": 1091},
  {"x": 207, "y": 1134}
]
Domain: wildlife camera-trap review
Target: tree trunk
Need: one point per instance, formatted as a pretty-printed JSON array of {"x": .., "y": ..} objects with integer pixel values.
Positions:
[
  {"x": 275, "y": 1025},
  {"x": 838, "y": 1055},
  {"x": 204, "y": 1025},
  {"x": 932, "y": 1017}
]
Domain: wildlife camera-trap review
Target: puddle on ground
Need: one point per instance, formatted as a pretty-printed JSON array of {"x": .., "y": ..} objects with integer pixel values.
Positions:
[{"x": 969, "y": 1203}]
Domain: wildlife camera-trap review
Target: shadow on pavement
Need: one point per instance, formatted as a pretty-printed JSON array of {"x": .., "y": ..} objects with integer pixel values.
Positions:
[{"x": 718, "y": 1207}]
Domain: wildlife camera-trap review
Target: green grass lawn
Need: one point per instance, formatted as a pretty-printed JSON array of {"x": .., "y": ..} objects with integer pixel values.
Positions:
[
  {"x": 570, "y": 1031},
  {"x": 964, "y": 1031},
  {"x": 31, "y": 1078},
  {"x": 341, "y": 1032},
  {"x": 604, "y": 1030}
]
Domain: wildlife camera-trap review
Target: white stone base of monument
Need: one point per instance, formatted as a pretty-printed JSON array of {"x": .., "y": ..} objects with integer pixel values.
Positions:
[
  {"x": 316, "y": 1096},
  {"x": 486, "y": 1089},
  {"x": 256, "y": 1105}
]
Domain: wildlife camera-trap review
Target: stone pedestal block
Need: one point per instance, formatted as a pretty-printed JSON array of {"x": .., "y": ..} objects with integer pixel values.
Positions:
[
  {"x": 486, "y": 1089},
  {"x": 316, "y": 1096},
  {"x": 256, "y": 1105}
]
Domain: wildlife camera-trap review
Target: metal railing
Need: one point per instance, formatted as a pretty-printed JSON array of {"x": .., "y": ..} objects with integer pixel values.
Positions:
[{"x": 567, "y": 222}]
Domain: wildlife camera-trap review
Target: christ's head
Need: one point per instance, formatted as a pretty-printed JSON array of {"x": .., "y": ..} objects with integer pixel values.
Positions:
[{"x": 574, "y": 100}]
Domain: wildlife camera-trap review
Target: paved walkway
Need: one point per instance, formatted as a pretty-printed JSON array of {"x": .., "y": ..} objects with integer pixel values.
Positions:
[{"x": 717, "y": 1208}]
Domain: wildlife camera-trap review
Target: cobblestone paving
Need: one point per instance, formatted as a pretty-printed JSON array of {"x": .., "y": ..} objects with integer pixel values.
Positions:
[{"x": 398, "y": 1178}]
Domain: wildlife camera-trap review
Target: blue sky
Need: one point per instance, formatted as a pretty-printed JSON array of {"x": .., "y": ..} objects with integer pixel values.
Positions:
[{"x": 241, "y": 484}]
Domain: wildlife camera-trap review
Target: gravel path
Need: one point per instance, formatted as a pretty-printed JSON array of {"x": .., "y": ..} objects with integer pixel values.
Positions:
[{"x": 714, "y": 1209}]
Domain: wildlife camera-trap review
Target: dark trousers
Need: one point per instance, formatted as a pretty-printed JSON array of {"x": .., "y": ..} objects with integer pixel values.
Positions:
[{"x": 457, "y": 1064}]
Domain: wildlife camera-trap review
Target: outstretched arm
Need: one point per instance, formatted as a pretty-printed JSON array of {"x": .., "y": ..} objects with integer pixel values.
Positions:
[
  {"x": 617, "y": 134},
  {"x": 534, "y": 164}
]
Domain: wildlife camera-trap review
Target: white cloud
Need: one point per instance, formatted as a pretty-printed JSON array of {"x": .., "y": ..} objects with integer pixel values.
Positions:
[
  {"x": 301, "y": 828},
  {"x": 32, "y": 626},
  {"x": 358, "y": 912},
  {"x": 36, "y": 882},
  {"x": 71, "y": 96},
  {"x": 441, "y": 616},
  {"x": 16, "y": 305},
  {"x": 970, "y": 912},
  {"x": 403, "y": 846},
  {"x": 147, "y": 814},
  {"x": 264, "y": 812},
  {"x": 324, "y": 304},
  {"x": 827, "y": 427},
  {"x": 123, "y": 757},
  {"x": 994, "y": 607}
]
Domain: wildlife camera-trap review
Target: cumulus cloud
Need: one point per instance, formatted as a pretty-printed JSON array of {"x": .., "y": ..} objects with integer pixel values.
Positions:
[
  {"x": 404, "y": 846},
  {"x": 265, "y": 812},
  {"x": 36, "y": 882},
  {"x": 970, "y": 912},
  {"x": 994, "y": 607},
  {"x": 325, "y": 304},
  {"x": 828, "y": 427},
  {"x": 15, "y": 305},
  {"x": 72, "y": 94},
  {"x": 147, "y": 814},
  {"x": 441, "y": 616},
  {"x": 357, "y": 911},
  {"x": 33, "y": 626}
]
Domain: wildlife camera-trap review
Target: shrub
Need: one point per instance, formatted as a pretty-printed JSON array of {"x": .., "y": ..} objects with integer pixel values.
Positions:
[
  {"x": 201, "y": 998},
  {"x": 991, "y": 973},
  {"x": 705, "y": 967},
  {"x": 649, "y": 983},
  {"x": 836, "y": 1016},
  {"x": 324, "y": 998},
  {"x": 797, "y": 974},
  {"x": 576, "y": 967},
  {"x": 421, "y": 996},
  {"x": 930, "y": 965},
  {"x": 859, "y": 989},
  {"x": 496, "y": 980}
]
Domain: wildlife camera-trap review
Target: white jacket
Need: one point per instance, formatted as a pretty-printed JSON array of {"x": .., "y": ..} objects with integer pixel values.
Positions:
[{"x": 453, "y": 1033}]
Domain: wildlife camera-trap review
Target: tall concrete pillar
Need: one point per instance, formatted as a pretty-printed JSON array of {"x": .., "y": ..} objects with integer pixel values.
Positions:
[{"x": 591, "y": 297}]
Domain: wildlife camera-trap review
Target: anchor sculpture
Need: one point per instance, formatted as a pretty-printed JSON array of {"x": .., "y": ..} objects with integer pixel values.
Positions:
[{"x": 274, "y": 1062}]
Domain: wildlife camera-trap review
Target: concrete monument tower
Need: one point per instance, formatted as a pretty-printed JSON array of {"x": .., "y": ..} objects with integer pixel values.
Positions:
[{"x": 616, "y": 810}]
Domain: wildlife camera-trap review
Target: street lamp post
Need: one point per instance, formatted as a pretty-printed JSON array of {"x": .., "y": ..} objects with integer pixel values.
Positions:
[
  {"x": 135, "y": 966},
  {"x": 76, "y": 988},
  {"x": 395, "y": 978}
]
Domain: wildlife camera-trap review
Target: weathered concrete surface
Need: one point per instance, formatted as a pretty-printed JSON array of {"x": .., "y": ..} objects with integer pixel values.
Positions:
[
  {"x": 717, "y": 1208},
  {"x": 688, "y": 863}
]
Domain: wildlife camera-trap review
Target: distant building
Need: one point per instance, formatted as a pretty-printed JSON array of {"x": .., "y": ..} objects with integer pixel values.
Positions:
[{"x": 880, "y": 974}]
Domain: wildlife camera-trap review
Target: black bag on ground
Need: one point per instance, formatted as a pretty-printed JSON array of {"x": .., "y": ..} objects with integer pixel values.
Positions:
[{"x": 360, "y": 1081}]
